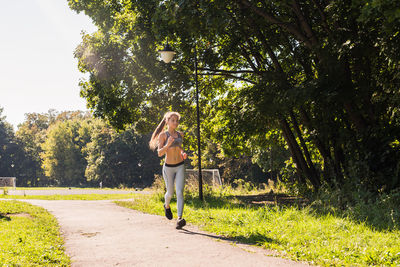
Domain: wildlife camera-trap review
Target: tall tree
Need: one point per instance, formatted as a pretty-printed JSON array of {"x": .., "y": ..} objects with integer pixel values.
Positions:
[{"x": 324, "y": 74}]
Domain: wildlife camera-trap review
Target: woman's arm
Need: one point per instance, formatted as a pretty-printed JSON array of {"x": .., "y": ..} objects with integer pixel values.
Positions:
[
  {"x": 161, "y": 140},
  {"x": 161, "y": 148}
]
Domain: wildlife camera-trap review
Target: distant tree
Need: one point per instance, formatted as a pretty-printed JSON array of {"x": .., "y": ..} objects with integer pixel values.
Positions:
[
  {"x": 8, "y": 148},
  {"x": 120, "y": 159},
  {"x": 70, "y": 115},
  {"x": 31, "y": 134},
  {"x": 14, "y": 162},
  {"x": 63, "y": 159}
]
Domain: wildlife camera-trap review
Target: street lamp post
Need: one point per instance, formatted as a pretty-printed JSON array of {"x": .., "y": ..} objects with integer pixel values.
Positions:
[{"x": 167, "y": 54}]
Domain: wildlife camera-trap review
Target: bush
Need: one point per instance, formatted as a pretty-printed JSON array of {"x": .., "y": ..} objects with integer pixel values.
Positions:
[{"x": 379, "y": 211}]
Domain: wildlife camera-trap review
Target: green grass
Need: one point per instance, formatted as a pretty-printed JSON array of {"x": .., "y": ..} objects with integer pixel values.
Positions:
[
  {"x": 67, "y": 188},
  {"x": 297, "y": 233},
  {"x": 30, "y": 237},
  {"x": 71, "y": 197}
]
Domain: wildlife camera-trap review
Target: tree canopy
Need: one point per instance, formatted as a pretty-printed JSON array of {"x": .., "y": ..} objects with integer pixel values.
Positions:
[{"x": 321, "y": 75}]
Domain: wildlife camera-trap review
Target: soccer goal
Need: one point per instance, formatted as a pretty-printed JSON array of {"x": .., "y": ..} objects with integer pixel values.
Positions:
[
  {"x": 8, "y": 182},
  {"x": 209, "y": 176}
]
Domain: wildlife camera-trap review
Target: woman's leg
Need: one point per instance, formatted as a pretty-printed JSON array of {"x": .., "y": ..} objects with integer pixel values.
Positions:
[
  {"x": 180, "y": 184},
  {"x": 169, "y": 175}
]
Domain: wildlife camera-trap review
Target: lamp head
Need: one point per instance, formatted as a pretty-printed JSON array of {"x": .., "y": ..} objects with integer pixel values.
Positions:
[{"x": 167, "y": 54}]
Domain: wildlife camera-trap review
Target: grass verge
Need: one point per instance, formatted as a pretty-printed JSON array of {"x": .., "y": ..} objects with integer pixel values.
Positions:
[
  {"x": 29, "y": 236},
  {"x": 67, "y": 188},
  {"x": 297, "y": 233},
  {"x": 71, "y": 197}
]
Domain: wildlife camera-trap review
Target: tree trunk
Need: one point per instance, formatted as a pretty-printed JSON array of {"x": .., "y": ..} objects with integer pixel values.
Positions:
[
  {"x": 338, "y": 163},
  {"x": 303, "y": 145},
  {"x": 304, "y": 23},
  {"x": 355, "y": 117},
  {"x": 300, "y": 171},
  {"x": 351, "y": 108},
  {"x": 328, "y": 161},
  {"x": 297, "y": 154}
]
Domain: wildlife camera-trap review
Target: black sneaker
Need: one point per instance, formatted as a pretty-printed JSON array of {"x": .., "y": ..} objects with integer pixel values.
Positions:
[
  {"x": 180, "y": 223},
  {"x": 168, "y": 213}
]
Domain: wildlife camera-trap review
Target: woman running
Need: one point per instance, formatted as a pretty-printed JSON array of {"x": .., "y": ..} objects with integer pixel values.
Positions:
[{"x": 170, "y": 144}]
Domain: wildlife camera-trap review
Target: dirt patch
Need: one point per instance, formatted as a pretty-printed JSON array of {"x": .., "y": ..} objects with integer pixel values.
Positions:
[
  {"x": 90, "y": 234},
  {"x": 8, "y": 216},
  {"x": 271, "y": 198},
  {"x": 21, "y": 214}
]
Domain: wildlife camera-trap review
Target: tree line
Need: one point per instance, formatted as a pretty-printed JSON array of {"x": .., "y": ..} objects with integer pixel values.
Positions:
[
  {"x": 73, "y": 148},
  {"x": 317, "y": 77}
]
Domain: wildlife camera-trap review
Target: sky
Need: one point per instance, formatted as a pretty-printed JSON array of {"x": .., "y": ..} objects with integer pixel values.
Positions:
[{"x": 38, "y": 71}]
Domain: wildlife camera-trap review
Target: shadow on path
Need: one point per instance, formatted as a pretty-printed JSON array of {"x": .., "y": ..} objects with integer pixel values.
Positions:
[{"x": 238, "y": 239}]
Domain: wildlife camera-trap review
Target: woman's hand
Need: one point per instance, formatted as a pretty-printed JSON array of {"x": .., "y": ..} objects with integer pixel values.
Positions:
[{"x": 183, "y": 155}]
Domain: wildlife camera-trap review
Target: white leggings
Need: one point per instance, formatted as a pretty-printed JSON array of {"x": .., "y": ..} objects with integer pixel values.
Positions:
[{"x": 178, "y": 174}]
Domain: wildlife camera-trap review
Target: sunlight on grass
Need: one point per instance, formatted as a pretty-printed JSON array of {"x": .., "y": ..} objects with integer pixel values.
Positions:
[
  {"x": 297, "y": 233},
  {"x": 29, "y": 236}
]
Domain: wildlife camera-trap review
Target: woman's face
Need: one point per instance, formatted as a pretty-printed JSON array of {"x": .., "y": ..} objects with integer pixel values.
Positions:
[{"x": 173, "y": 122}]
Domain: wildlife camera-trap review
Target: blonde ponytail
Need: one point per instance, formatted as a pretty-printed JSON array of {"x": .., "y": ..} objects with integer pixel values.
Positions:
[{"x": 154, "y": 137}]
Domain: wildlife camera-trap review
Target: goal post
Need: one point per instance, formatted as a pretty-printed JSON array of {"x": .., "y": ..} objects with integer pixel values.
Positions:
[
  {"x": 209, "y": 176},
  {"x": 8, "y": 182}
]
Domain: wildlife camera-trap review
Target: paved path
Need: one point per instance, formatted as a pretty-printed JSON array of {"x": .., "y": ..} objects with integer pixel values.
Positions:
[
  {"x": 72, "y": 191},
  {"x": 101, "y": 233}
]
